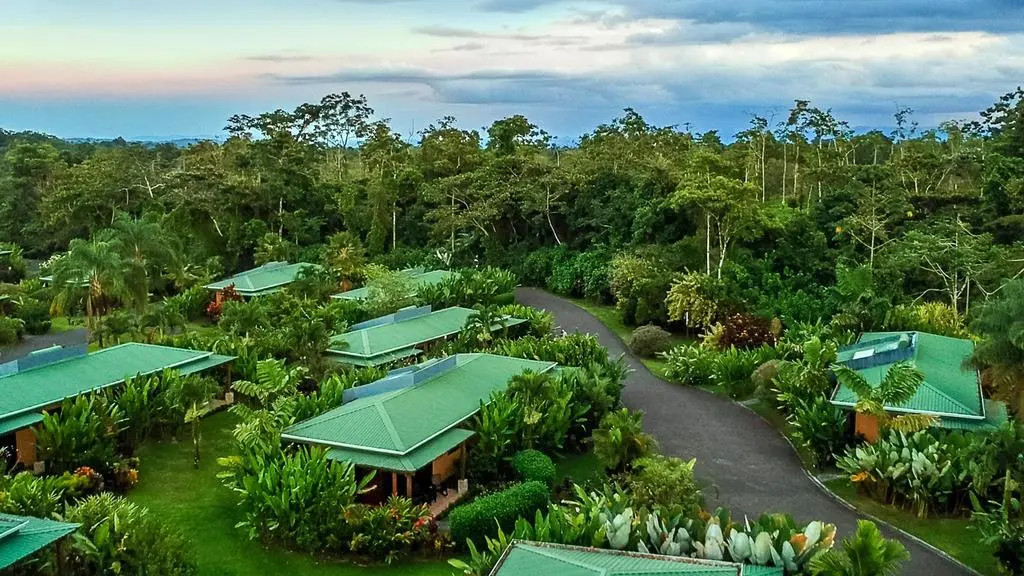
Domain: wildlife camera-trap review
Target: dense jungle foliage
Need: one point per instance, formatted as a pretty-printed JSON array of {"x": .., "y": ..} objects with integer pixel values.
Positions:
[{"x": 770, "y": 214}]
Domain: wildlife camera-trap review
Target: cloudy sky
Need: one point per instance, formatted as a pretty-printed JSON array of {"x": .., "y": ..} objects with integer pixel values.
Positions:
[{"x": 105, "y": 68}]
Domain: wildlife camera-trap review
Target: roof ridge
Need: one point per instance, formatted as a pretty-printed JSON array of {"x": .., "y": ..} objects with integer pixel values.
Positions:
[
  {"x": 539, "y": 550},
  {"x": 389, "y": 425}
]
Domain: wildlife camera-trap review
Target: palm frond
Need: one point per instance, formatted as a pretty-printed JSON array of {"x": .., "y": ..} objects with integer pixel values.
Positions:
[{"x": 900, "y": 384}]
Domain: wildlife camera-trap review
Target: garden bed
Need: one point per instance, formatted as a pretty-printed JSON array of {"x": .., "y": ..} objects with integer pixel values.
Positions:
[
  {"x": 196, "y": 502},
  {"x": 953, "y": 536}
]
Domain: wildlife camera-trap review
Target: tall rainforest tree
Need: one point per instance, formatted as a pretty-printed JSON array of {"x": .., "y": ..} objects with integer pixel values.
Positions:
[
  {"x": 95, "y": 268},
  {"x": 1001, "y": 353},
  {"x": 145, "y": 248}
]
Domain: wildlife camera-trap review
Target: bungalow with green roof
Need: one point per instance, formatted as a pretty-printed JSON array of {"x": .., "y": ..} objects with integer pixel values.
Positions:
[
  {"x": 404, "y": 334},
  {"x": 408, "y": 422},
  {"x": 950, "y": 392},
  {"x": 418, "y": 277},
  {"x": 266, "y": 279},
  {"x": 23, "y": 536},
  {"x": 534, "y": 558},
  {"x": 45, "y": 378}
]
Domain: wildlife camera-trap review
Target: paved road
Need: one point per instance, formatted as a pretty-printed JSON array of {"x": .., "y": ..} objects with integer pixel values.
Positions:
[
  {"x": 747, "y": 465},
  {"x": 32, "y": 343}
]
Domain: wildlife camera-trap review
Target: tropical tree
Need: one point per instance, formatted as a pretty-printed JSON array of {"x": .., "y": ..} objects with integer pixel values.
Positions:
[
  {"x": 866, "y": 553},
  {"x": 1001, "y": 353},
  {"x": 897, "y": 387},
  {"x": 145, "y": 247},
  {"x": 345, "y": 255},
  {"x": 481, "y": 324},
  {"x": 94, "y": 266},
  {"x": 621, "y": 439}
]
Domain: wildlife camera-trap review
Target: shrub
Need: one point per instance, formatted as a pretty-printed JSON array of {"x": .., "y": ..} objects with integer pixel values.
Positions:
[
  {"x": 35, "y": 314},
  {"x": 11, "y": 330},
  {"x": 82, "y": 433},
  {"x": 933, "y": 317},
  {"x": 639, "y": 286},
  {"x": 482, "y": 517},
  {"x": 190, "y": 304},
  {"x": 539, "y": 323},
  {"x": 666, "y": 482},
  {"x": 650, "y": 340},
  {"x": 734, "y": 369},
  {"x": 533, "y": 465},
  {"x": 389, "y": 531},
  {"x": 583, "y": 275},
  {"x": 536, "y": 267},
  {"x": 621, "y": 439},
  {"x": 692, "y": 365},
  {"x": 123, "y": 538},
  {"x": 745, "y": 331},
  {"x": 819, "y": 428},
  {"x": 692, "y": 299}
]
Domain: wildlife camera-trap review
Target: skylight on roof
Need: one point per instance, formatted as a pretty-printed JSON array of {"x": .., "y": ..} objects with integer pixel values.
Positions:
[{"x": 863, "y": 353}]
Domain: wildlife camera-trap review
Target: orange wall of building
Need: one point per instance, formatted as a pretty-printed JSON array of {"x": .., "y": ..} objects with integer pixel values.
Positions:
[{"x": 867, "y": 426}]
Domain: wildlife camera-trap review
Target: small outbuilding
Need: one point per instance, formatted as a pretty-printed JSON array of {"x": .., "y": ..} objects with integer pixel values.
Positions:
[
  {"x": 407, "y": 427},
  {"x": 266, "y": 279},
  {"x": 45, "y": 378},
  {"x": 404, "y": 334},
  {"x": 950, "y": 391}
]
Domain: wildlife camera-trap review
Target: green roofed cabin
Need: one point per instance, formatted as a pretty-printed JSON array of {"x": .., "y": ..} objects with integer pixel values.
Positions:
[
  {"x": 949, "y": 391},
  {"x": 23, "y": 536},
  {"x": 404, "y": 334},
  {"x": 418, "y": 276},
  {"x": 261, "y": 280},
  {"x": 535, "y": 558},
  {"x": 43, "y": 379},
  {"x": 407, "y": 423}
]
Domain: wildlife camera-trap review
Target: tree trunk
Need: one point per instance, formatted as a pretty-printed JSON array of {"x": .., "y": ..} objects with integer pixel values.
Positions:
[{"x": 707, "y": 250}]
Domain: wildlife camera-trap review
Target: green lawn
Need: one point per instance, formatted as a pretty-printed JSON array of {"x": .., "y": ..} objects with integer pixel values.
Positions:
[
  {"x": 951, "y": 535},
  {"x": 196, "y": 503},
  {"x": 65, "y": 323},
  {"x": 582, "y": 468},
  {"x": 612, "y": 319}
]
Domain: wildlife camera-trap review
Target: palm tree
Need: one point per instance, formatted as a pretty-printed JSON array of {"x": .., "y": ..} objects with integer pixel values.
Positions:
[
  {"x": 866, "y": 553},
  {"x": 144, "y": 246},
  {"x": 898, "y": 386},
  {"x": 1001, "y": 353},
  {"x": 92, "y": 266}
]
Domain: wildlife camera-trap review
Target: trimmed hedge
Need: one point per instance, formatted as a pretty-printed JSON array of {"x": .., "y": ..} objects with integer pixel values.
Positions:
[
  {"x": 534, "y": 465},
  {"x": 647, "y": 341},
  {"x": 481, "y": 517}
]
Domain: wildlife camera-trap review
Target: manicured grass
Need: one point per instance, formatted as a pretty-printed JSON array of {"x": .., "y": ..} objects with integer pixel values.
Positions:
[
  {"x": 195, "y": 502},
  {"x": 951, "y": 535},
  {"x": 612, "y": 319},
  {"x": 582, "y": 468},
  {"x": 204, "y": 328},
  {"x": 65, "y": 323}
]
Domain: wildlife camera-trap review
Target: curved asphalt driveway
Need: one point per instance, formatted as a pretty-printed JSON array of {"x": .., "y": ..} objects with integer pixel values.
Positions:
[{"x": 746, "y": 464}]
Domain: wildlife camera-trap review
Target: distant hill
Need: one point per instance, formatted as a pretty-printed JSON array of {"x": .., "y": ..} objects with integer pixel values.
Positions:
[{"x": 181, "y": 142}]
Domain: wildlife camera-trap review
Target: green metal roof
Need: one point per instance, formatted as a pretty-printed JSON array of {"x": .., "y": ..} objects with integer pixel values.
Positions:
[
  {"x": 418, "y": 279},
  {"x": 376, "y": 360},
  {"x": 398, "y": 422},
  {"x": 22, "y": 536},
  {"x": 34, "y": 389},
  {"x": 15, "y": 423},
  {"x": 533, "y": 559},
  {"x": 948, "y": 390},
  {"x": 211, "y": 361},
  {"x": 995, "y": 416},
  {"x": 410, "y": 462},
  {"x": 262, "y": 280},
  {"x": 374, "y": 341}
]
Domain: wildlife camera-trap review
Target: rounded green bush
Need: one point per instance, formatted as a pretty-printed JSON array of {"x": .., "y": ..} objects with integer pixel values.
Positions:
[
  {"x": 482, "y": 517},
  {"x": 534, "y": 465},
  {"x": 647, "y": 341}
]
